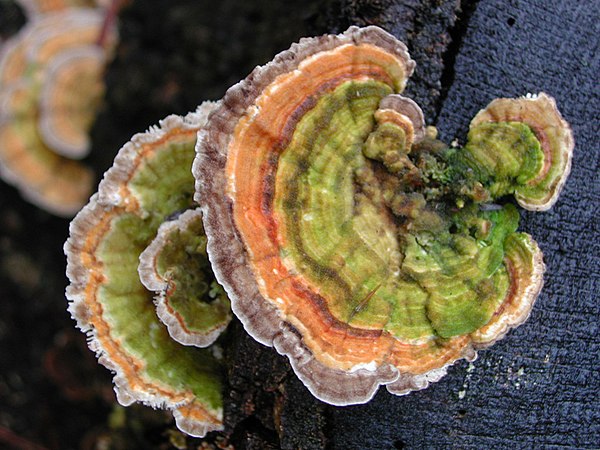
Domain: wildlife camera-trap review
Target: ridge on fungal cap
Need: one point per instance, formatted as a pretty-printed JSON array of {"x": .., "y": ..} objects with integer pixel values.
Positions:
[
  {"x": 540, "y": 113},
  {"x": 175, "y": 267},
  {"x": 69, "y": 98},
  {"x": 406, "y": 107},
  {"x": 149, "y": 181},
  {"x": 27, "y": 159},
  {"x": 345, "y": 235}
]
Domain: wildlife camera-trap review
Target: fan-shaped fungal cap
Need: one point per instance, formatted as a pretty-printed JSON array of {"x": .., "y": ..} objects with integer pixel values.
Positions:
[
  {"x": 539, "y": 190},
  {"x": 409, "y": 112},
  {"x": 347, "y": 244},
  {"x": 52, "y": 58},
  {"x": 190, "y": 302},
  {"x": 149, "y": 181}
]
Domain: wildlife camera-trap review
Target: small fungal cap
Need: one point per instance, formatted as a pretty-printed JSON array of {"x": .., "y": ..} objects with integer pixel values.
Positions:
[
  {"x": 149, "y": 181},
  {"x": 525, "y": 266},
  {"x": 175, "y": 266},
  {"x": 53, "y": 183},
  {"x": 400, "y": 124},
  {"x": 410, "y": 110},
  {"x": 540, "y": 190}
]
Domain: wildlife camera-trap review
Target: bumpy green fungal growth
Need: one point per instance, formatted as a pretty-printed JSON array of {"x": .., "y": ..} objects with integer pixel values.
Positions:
[
  {"x": 463, "y": 275},
  {"x": 455, "y": 281},
  {"x": 149, "y": 181},
  {"x": 175, "y": 265}
]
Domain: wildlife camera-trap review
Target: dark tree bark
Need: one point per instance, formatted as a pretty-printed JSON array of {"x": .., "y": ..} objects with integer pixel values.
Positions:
[{"x": 536, "y": 388}]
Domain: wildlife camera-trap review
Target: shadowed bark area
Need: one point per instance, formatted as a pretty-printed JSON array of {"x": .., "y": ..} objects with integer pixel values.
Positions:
[{"x": 538, "y": 387}]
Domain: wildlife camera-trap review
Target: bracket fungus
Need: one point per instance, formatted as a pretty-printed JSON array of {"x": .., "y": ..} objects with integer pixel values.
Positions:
[
  {"x": 345, "y": 234},
  {"x": 149, "y": 182},
  {"x": 50, "y": 88},
  {"x": 195, "y": 309},
  {"x": 351, "y": 239},
  {"x": 539, "y": 190}
]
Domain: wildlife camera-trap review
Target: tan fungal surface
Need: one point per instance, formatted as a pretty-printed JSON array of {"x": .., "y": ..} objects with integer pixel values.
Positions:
[
  {"x": 149, "y": 182},
  {"x": 347, "y": 236},
  {"x": 50, "y": 87}
]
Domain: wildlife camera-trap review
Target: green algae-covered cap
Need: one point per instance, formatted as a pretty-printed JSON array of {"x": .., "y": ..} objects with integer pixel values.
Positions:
[
  {"x": 538, "y": 180},
  {"x": 149, "y": 182},
  {"x": 175, "y": 265}
]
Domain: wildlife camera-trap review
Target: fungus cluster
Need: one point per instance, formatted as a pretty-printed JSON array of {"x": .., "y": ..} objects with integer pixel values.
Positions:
[
  {"x": 50, "y": 87},
  {"x": 344, "y": 233},
  {"x": 142, "y": 204}
]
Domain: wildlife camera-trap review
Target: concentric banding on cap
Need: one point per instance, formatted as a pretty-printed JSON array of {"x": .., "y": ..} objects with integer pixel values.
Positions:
[
  {"x": 61, "y": 31},
  {"x": 525, "y": 267},
  {"x": 149, "y": 181},
  {"x": 28, "y": 159},
  {"x": 540, "y": 113},
  {"x": 69, "y": 99},
  {"x": 406, "y": 107},
  {"x": 175, "y": 265},
  {"x": 52, "y": 182},
  {"x": 365, "y": 259},
  {"x": 48, "y": 180}
]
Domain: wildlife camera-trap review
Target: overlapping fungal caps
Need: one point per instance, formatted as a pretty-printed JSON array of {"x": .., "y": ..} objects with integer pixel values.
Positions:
[
  {"x": 346, "y": 235},
  {"x": 149, "y": 182},
  {"x": 194, "y": 307},
  {"x": 50, "y": 87}
]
